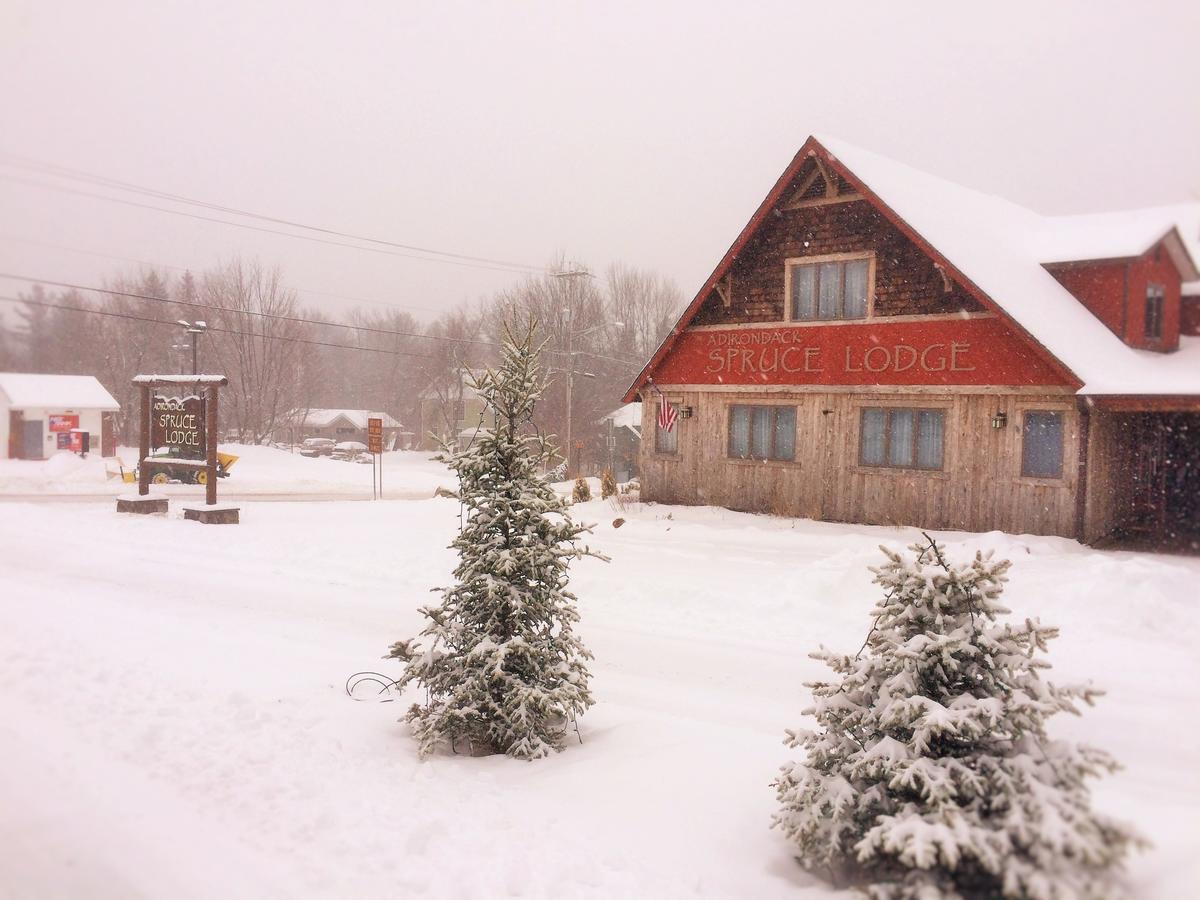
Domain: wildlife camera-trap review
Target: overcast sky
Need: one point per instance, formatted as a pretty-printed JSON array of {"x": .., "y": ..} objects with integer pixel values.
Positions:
[{"x": 644, "y": 133}]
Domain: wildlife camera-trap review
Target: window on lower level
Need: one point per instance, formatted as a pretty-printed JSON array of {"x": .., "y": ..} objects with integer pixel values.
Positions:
[
  {"x": 1155, "y": 294},
  {"x": 829, "y": 290},
  {"x": 1042, "y": 444},
  {"x": 902, "y": 438},
  {"x": 666, "y": 441},
  {"x": 762, "y": 432}
]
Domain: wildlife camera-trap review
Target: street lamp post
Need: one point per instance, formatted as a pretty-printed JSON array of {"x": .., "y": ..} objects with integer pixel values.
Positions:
[{"x": 194, "y": 328}]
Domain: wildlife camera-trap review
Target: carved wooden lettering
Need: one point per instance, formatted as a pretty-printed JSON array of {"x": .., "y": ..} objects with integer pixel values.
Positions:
[{"x": 982, "y": 350}]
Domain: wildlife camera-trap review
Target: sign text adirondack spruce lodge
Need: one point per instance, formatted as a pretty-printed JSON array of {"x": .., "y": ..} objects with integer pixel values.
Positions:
[{"x": 178, "y": 423}]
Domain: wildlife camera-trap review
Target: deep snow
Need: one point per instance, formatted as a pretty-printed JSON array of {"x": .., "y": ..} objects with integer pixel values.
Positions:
[
  {"x": 259, "y": 470},
  {"x": 173, "y": 721}
]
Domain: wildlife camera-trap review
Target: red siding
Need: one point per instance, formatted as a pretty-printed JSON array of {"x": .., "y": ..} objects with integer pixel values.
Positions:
[
  {"x": 1154, "y": 267},
  {"x": 1100, "y": 287},
  {"x": 974, "y": 351},
  {"x": 1189, "y": 315}
]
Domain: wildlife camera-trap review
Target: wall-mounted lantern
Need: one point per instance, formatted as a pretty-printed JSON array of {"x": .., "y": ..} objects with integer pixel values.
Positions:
[
  {"x": 685, "y": 412},
  {"x": 1000, "y": 419}
]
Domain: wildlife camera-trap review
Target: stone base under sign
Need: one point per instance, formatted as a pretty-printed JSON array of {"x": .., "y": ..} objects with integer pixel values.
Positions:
[
  {"x": 145, "y": 504},
  {"x": 217, "y": 514}
]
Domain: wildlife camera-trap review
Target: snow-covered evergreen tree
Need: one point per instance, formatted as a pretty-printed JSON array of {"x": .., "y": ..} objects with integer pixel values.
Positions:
[
  {"x": 931, "y": 775},
  {"x": 608, "y": 485},
  {"x": 582, "y": 492},
  {"x": 503, "y": 670}
]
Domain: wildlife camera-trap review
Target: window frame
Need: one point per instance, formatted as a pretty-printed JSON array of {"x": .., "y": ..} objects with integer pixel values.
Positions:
[
  {"x": 674, "y": 452},
  {"x": 760, "y": 460},
  {"x": 1156, "y": 300},
  {"x": 1062, "y": 448},
  {"x": 887, "y": 465},
  {"x": 792, "y": 263}
]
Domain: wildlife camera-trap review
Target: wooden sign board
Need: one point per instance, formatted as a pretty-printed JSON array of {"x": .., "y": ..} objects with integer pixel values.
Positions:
[
  {"x": 375, "y": 435},
  {"x": 976, "y": 351},
  {"x": 178, "y": 423}
]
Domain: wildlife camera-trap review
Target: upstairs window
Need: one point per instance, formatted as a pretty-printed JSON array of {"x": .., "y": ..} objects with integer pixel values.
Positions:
[
  {"x": 1154, "y": 311},
  {"x": 762, "y": 432},
  {"x": 902, "y": 438},
  {"x": 829, "y": 290},
  {"x": 1042, "y": 444}
]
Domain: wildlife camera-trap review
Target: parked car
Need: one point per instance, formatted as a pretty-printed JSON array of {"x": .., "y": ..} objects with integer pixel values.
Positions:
[
  {"x": 348, "y": 450},
  {"x": 317, "y": 447}
]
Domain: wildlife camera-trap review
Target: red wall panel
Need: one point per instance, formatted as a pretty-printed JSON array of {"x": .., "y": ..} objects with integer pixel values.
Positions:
[{"x": 976, "y": 351}]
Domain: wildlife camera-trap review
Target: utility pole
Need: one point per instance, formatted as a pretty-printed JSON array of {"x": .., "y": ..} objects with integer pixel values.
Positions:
[
  {"x": 570, "y": 369},
  {"x": 570, "y": 275}
]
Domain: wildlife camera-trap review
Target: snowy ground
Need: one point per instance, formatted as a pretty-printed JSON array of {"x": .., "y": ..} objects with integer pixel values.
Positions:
[
  {"x": 259, "y": 470},
  {"x": 173, "y": 722}
]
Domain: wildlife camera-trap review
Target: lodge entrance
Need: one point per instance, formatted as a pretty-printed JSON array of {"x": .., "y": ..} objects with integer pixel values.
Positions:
[{"x": 1160, "y": 491}]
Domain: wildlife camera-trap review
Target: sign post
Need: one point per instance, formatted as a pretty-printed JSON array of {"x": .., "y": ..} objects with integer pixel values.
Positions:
[
  {"x": 188, "y": 428},
  {"x": 375, "y": 448}
]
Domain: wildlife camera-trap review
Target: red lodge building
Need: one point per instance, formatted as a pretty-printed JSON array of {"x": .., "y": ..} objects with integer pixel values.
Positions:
[{"x": 882, "y": 346}]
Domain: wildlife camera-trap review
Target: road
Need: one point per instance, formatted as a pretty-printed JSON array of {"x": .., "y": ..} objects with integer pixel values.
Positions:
[{"x": 232, "y": 497}]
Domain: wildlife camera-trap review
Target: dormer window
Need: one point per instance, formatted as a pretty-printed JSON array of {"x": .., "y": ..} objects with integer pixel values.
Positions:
[
  {"x": 829, "y": 288},
  {"x": 1155, "y": 294}
]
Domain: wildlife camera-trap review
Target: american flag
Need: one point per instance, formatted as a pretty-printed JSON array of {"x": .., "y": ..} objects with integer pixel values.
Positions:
[{"x": 667, "y": 414}]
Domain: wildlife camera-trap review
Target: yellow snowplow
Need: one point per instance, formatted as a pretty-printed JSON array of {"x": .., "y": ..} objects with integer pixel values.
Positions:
[{"x": 166, "y": 469}]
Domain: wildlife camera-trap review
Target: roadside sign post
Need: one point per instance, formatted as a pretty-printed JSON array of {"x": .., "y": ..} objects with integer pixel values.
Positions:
[{"x": 375, "y": 448}]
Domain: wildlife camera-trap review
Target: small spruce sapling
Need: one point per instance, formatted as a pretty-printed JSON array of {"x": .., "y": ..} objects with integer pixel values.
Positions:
[
  {"x": 503, "y": 670},
  {"x": 931, "y": 775},
  {"x": 608, "y": 485},
  {"x": 582, "y": 491}
]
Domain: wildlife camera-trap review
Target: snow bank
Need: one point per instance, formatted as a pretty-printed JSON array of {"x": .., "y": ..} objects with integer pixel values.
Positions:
[
  {"x": 259, "y": 470},
  {"x": 148, "y": 698}
]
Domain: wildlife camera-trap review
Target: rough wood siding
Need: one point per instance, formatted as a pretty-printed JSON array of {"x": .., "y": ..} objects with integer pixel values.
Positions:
[
  {"x": 906, "y": 280},
  {"x": 1111, "y": 446},
  {"x": 979, "y": 489}
]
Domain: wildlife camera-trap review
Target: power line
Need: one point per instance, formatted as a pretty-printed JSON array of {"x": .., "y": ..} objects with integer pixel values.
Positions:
[
  {"x": 158, "y": 265},
  {"x": 298, "y": 319},
  {"x": 218, "y": 330},
  {"x": 212, "y": 306},
  {"x": 92, "y": 178},
  {"x": 302, "y": 237}
]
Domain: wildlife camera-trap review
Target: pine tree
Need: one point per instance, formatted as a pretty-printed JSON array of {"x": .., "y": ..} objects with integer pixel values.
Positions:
[
  {"x": 608, "y": 485},
  {"x": 503, "y": 671},
  {"x": 582, "y": 492},
  {"x": 931, "y": 775}
]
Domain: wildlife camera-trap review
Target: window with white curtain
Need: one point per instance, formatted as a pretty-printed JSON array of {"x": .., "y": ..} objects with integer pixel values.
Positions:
[
  {"x": 829, "y": 290},
  {"x": 762, "y": 432},
  {"x": 902, "y": 438}
]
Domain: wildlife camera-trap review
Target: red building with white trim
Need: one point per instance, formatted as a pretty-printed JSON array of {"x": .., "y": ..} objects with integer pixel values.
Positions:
[{"x": 883, "y": 346}]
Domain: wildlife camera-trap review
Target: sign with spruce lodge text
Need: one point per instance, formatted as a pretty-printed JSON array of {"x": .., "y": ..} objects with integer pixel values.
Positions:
[
  {"x": 965, "y": 351},
  {"x": 178, "y": 423}
]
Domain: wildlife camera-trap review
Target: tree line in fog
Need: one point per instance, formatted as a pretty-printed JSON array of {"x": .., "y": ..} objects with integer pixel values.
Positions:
[{"x": 283, "y": 358}]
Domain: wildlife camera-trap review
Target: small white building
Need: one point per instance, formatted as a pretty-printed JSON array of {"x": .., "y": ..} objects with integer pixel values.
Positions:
[{"x": 40, "y": 414}]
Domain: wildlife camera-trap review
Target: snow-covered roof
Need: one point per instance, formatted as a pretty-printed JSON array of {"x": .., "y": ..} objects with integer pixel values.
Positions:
[
  {"x": 1001, "y": 247},
  {"x": 627, "y": 415},
  {"x": 55, "y": 392},
  {"x": 322, "y": 418},
  {"x": 1121, "y": 235}
]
